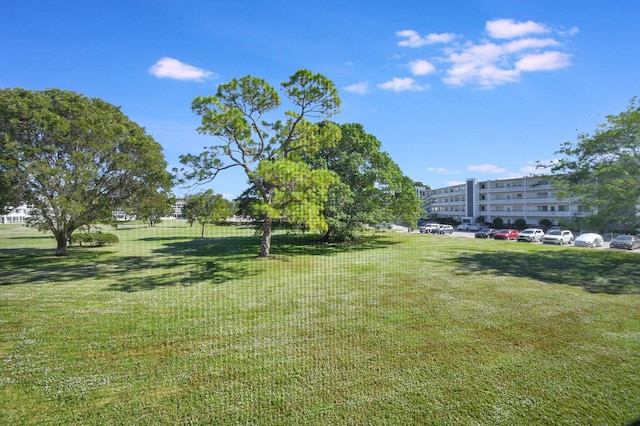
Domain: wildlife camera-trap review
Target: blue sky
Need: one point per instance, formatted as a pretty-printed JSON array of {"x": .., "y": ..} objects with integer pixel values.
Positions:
[{"x": 452, "y": 89}]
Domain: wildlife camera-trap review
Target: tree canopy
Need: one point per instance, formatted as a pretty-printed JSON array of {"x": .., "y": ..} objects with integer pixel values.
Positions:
[
  {"x": 372, "y": 187},
  {"x": 206, "y": 207},
  {"x": 270, "y": 153},
  {"x": 603, "y": 170},
  {"x": 152, "y": 208},
  {"x": 76, "y": 159}
]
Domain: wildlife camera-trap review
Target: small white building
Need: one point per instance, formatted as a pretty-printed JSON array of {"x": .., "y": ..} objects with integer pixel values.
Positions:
[
  {"x": 17, "y": 214},
  {"x": 21, "y": 213},
  {"x": 529, "y": 198}
]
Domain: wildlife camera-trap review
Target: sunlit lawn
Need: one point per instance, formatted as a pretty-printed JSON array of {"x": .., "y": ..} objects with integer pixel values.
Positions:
[{"x": 169, "y": 328}]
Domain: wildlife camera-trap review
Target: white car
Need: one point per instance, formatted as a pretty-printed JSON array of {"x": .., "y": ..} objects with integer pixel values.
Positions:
[
  {"x": 558, "y": 236},
  {"x": 445, "y": 229},
  {"x": 531, "y": 235},
  {"x": 588, "y": 240},
  {"x": 429, "y": 228}
]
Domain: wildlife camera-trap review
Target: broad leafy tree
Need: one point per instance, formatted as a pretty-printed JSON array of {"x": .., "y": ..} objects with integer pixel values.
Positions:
[
  {"x": 206, "y": 207},
  {"x": 77, "y": 159},
  {"x": 8, "y": 196},
  {"x": 270, "y": 152},
  {"x": 372, "y": 187},
  {"x": 603, "y": 170},
  {"x": 152, "y": 208}
]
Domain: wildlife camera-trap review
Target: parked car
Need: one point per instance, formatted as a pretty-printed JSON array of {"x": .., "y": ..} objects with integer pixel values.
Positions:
[
  {"x": 588, "y": 240},
  {"x": 506, "y": 234},
  {"x": 462, "y": 227},
  {"x": 629, "y": 242},
  {"x": 473, "y": 227},
  {"x": 531, "y": 235},
  {"x": 445, "y": 229},
  {"x": 558, "y": 236},
  {"x": 429, "y": 228},
  {"x": 486, "y": 233}
]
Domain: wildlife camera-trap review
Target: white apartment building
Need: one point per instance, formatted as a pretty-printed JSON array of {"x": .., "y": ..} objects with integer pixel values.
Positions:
[
  {"x": 17, "y": 214},
  {"x": 21, "y": 213},
  {"x": 530, "y": 198}
]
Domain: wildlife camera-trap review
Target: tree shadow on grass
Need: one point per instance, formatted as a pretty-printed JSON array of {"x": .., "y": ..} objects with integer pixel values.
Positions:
[
  {"x": 175, "y": 262},
  {"x": 282, "y": 246},
  {"x": 26, "y": 266},
  {"x": 595, "y": 271}
]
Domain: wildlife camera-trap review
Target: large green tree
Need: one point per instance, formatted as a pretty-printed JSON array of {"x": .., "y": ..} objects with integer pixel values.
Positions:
[
  {"x": 603, "y": 170},
  {"x": 153, "y": 208},
  {"x": 76, "y": 159},
  {"x": 372, "y": 187},
  {"x": 270, "y": 153},
  {"x": 206, "y": 207}
]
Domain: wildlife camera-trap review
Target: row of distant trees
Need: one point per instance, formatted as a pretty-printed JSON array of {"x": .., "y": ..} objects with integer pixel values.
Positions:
[{"x": 77, "y": 159}]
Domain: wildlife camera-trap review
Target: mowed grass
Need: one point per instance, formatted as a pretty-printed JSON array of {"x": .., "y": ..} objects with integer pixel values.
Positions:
[{"x": 169, "y": 328}]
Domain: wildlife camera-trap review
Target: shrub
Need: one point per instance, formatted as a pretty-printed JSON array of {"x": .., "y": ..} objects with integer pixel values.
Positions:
[
  {"x": 498, "y": 222},
  {"x": 520, "y": 224},
  {"x": 545, "y": 223},
  {"x": 93, "y": 239}
]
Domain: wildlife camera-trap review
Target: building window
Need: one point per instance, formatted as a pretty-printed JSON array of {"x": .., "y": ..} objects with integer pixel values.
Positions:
[
  {"x": 562, "y": 208},
  {"x": 483, "y": 186}
]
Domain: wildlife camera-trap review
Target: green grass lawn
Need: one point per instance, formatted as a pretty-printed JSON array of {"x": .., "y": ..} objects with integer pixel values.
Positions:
[{"x": 169, "y": 328}]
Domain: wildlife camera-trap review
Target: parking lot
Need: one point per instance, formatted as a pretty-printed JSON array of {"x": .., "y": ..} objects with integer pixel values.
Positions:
[{"x": 471, "y": 234}]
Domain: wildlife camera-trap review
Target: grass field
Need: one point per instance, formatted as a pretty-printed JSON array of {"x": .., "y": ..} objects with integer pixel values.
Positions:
[{"x": 169, "y": 328}]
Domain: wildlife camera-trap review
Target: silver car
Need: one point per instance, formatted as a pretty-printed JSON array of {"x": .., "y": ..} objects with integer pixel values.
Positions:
[
  {"x": 558, "y": 236},
  {"x": 629, "y": 242},
  {"x": 589, "y": 240},
  {"x": 531, "y": 235},
  {"x": 445, "y": 229}
]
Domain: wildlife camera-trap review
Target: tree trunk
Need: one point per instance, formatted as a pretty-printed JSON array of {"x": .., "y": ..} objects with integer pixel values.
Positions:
[
  {"x": 62, "y": 238},
  {"x": 202, "y": 233},
  {"x": 266, "y": 237}
]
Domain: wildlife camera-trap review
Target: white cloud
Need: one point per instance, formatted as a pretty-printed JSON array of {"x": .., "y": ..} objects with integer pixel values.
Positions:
[
  {"x": 359, "y": 88},
  {"x": 486, "y": 168},
  {"x": 173, "y": 68},
  {"x": 413, "y": 39},
  {"x": 489, "y": 64},
  {"x": 455, "y": 182},
  {"x": 570, "y": 32},
  {"x": 401, "y": 84},
  {"x": 442, "y": 171},
  {"x": 479, "y": 65},
  {"x": 528, "y": 43},
  {"x": 421, "y": 67},
  {"x": 543, "y": 61},
  {"x": 508, "y": 28},
  {"x": 513, "y": 48}
]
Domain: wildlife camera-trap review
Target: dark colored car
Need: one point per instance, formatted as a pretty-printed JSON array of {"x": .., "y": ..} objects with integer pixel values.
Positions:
[
  {"x": 628, "y": 242},
  {"x": 506, "y": 234},
  {"x": 486, "y": 233}
]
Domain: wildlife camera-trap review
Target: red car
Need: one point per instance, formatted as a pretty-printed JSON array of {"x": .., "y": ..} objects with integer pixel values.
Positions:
[{"x": 506, "y": 234}]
